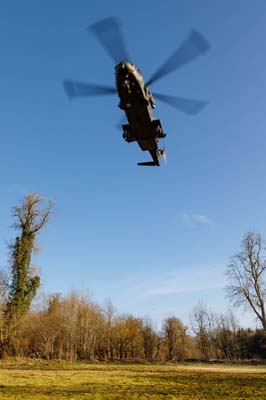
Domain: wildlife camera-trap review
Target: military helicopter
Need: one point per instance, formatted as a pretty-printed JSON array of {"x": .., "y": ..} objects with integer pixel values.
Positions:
[{"x": 136, "y": 100}]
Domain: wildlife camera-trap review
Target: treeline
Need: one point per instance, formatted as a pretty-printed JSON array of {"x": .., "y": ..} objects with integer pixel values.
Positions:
[{"x": 76, "y": 328}]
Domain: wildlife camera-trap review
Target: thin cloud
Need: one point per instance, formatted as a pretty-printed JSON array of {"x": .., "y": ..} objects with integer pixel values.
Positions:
[
  {"x": 195, "y": 219},
  {"x": 176, "y": 289},
  {"x": 175, "y": 282},
  {"x": 185, "y": 281}
]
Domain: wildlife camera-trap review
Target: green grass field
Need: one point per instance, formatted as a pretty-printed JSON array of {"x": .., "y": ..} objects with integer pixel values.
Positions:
[{"x": 56, "y": 381}]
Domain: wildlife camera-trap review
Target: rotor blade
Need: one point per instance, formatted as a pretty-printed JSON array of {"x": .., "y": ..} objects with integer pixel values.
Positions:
[
  {"x": 193, "y": 46},
  {"x": 109, "y": 35},
  {"x": 80, "y": 89},
  {"x": 188, "y": 106}
]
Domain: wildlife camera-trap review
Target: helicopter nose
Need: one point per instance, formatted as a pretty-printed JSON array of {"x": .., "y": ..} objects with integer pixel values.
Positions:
[{"x": 122, "y": 67}]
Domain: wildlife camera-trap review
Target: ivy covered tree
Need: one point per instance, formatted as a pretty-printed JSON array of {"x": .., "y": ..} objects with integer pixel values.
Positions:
[{"x": 30, "y": 217}]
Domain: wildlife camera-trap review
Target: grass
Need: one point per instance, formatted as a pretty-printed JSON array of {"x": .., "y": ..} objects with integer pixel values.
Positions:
[{"x": 42, "y": 381}]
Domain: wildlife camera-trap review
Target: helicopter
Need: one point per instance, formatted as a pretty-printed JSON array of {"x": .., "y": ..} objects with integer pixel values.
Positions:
[{"x": 135, "y": 98}]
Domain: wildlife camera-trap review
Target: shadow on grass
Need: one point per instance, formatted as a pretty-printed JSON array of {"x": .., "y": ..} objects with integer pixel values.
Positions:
[{"x": 150, "y": 386}]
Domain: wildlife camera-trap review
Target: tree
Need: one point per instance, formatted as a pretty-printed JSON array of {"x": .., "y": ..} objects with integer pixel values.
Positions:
[
  {"x": 244, "y": 339},
  {"x": 246, "y": 276},
  {"x": 106, "y": 350},
  {"x": 150, "y": 339},
  {"x": 127, "y": 337},
  {"x": 30, "y": 218},
  {"x": 257, "y": 344},
  {"x": 176, "y": 339},
  {"x": 202, "y": 325},
  {"x": 226, "y": 336}
]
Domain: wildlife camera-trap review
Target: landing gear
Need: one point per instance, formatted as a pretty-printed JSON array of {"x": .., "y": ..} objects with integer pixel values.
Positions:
[
  {"x": 128, "y": 135},
  {"x": 158, "y": 129},
  {"x": 162, "y": 153},
  {"x": 159, "y": 132}
]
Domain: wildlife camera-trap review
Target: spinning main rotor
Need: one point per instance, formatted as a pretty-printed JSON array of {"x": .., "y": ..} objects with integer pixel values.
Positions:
[{"x": 108, "y": 33}]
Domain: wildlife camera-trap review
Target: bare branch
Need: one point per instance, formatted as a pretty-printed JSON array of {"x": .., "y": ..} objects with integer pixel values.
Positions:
[{"x": 245, "y": 276}]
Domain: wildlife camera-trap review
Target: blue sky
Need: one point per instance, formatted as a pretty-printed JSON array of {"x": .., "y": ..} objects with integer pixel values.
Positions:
[{"x": 153, "y": 240}]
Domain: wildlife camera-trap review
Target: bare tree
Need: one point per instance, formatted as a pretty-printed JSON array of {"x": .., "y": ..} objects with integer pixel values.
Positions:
[
  {"x": 150, "y": 339},
  {"x": 106, "y": 349},
  {"x": 201, "y": 322},
  {"x": 226, "y": 336},
  {"x": 246, "y": 275}
]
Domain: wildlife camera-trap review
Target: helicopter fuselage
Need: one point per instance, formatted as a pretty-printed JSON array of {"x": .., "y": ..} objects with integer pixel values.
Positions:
[{"x": 137, "y": 102}]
